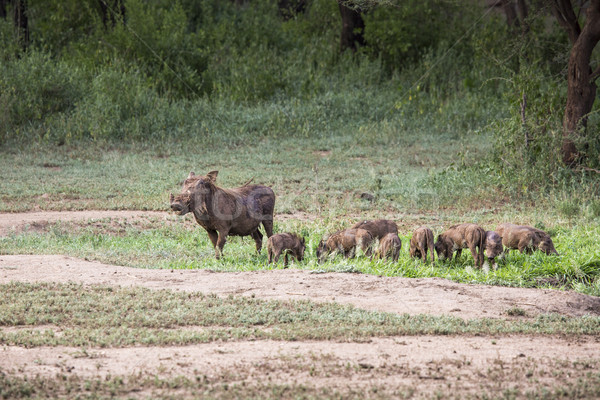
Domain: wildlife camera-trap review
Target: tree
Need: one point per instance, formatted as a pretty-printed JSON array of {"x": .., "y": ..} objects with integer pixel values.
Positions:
[
  {"x": 581, "y": 80},
  {"x": 353, "y": 27},
  {"x": 19, "y": 8},
  {"x": 109, "y": 11},
  {"x": 513, "y": 19},
  {"x": 3, "y": 4},
  {"x": 21, "y": 21}
]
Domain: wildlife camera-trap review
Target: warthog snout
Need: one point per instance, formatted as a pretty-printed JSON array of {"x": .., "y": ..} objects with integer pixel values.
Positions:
[
  {"x": 179, "y": 204},
  {"x": 174, "y": 206}
]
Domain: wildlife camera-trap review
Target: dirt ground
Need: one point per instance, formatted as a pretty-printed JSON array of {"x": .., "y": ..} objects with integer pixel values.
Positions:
[{"x": 429, "y": 363}]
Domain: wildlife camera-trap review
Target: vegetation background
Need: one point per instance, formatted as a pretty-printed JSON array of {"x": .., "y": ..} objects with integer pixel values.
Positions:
[
  {"x": 427, "y": 112},
  {"x": 435, "y": 111}
]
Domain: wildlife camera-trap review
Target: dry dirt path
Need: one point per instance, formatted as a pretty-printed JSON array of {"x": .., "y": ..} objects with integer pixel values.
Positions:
[
  {"x": 429, "y": 363},
  {"x": 392, "y": 294},
  {"x": 18, "y": 221}
]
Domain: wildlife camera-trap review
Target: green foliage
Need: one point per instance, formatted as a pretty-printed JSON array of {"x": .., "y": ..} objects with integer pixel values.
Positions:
[
  {"x": 527, "y": 145},
  {"x": 569, "y": 208},
  {"x": 216, "y": 73},
  {"x": 33, "y": 89},
  {"x": 526, "y": 154},
  {"x": 56, "y": 24},
  {"x": 400, "y": 34},
  {"x": 10, "y": 47}
]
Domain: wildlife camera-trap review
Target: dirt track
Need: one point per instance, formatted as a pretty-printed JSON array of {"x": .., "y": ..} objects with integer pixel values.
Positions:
[
  {"x": 392, "y": 294},
  {"x": 429, "y": 362}
]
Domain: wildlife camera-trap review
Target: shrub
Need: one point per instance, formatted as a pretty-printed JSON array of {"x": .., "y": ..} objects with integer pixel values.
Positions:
[{"x": 33, "y": 88}]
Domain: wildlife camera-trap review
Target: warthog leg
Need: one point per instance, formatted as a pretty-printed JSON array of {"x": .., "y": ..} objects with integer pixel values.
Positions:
[
  {"x": 257, "y": 236},
  {"x": 213, "y": 236},
  {"x": 220, "y": 244},
  {"x": 475, "y": 255},
  {"x": 268, "y": 224},
  {"x": 458, "y": 254},
  {"x": 423, "y": 252},
  {"x": 276, "y": 256}
]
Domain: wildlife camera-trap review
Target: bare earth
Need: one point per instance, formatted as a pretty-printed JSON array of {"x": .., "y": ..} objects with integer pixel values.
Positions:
[{"x": 431, "y": 363}]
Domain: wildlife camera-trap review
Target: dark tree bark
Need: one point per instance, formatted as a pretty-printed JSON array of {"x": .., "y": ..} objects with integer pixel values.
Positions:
[
  {"x": 523, "y": 14},
  {"x": 3, "y": 4},
  {"x": 290, "y": 8},
  {"x": 515, "y": 14},
  {"x": 508, "y": 6},
  {"x": 581, "y": 89},
  {"x": 353, "y": 28},
  {"x": 110, "y": 10},
  {"x": 21, "y": 21}
]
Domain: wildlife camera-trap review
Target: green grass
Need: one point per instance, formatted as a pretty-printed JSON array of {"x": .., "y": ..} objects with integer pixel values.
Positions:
[
  {"x": 97, "y": 316},
  {"x": 178, "y": 243},
  {"x": 316, "y": 175}
]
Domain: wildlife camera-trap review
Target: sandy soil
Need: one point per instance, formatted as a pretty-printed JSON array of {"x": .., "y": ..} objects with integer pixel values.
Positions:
[
  {"x": 392, "y": 294},
  {"x": 430, "y": 362}
]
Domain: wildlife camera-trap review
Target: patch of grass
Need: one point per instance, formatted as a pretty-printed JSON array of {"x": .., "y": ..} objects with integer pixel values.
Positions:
[
  {"x": 303, "y": 176},
  {"x": 569, "y": 208},
  {"x": 594, "y": 208},
  {"x": 69, "y": 314},
  {"x": 222, "y": 387},
  {"x": 521, "y": 378},
  {"x": 516, "y": 312},
  {"x": 178, "y": 243}
]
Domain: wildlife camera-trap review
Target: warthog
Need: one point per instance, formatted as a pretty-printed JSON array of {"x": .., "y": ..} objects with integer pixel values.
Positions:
[
  {"x": 459, "y": 237},
  {"x": 224, "y": 212},
  {"x": 493, "y": 247},
  {"x": 525, "y": 238},
  {"x": 378, "y": 228},
  {"x": 421, "y": 241},
  {"x": 345, "y": 242},
  {"x": 285, "y": 243},
  {"x": 390, "y": 247}
]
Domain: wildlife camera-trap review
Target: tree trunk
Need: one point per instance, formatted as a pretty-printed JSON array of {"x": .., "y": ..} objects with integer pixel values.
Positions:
[
  {"x": 3, "y": 4},
  {"x": 21, "y": 22},
  {"x": 353, "y": 28},
  {"x": 523, "y": 14},
  {"x": 511, "y": 14},
  {"x": 109, "y": 11},
  {"x": 581, "y": 91}
]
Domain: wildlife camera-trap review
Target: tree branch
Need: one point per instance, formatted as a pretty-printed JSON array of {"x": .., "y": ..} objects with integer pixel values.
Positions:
[{"x": 565, "y": 15}]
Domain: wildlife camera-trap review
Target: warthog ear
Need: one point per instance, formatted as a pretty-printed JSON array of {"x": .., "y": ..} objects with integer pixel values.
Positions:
[
  {"x": 191, "y": 175},
  {"x": 171, "y": 198},
  {"x": 212, "y": 176}
]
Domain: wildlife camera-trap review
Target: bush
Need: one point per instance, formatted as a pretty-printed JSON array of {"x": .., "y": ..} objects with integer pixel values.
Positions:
[
  {"x": 402, "y": 33},
  {"x": 34, "y": 88}
]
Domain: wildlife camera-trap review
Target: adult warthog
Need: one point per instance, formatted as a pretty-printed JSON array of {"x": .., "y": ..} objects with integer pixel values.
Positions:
[{"x": 223, "y": 212}]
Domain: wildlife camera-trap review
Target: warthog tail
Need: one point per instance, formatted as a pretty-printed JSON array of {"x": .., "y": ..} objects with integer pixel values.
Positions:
[
  {"x": 430, "y": 246},
  {"x": 482, "y": 239},
  {"x": 269, "y": 252}
]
